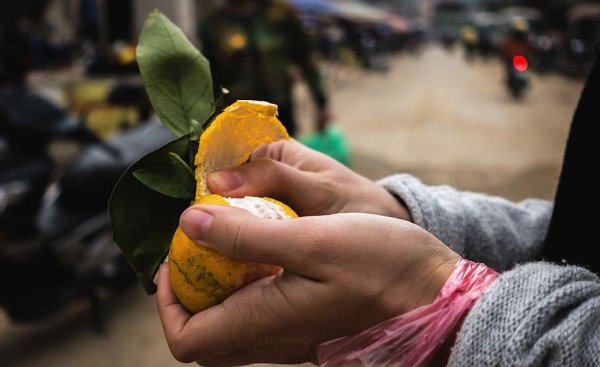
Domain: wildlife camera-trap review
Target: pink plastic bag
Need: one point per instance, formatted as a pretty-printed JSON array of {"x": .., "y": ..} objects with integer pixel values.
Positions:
[{"x": 413, "y": 338}]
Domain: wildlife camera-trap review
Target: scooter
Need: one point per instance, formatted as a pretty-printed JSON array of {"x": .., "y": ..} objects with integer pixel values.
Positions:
[
  {"x": 517, "y": 76},
  {"x": 56, "y": 242}
]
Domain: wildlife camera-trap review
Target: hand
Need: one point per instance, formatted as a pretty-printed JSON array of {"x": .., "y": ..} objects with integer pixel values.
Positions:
[
  {"x": 308, "y": 181},
  {"x": 343, "y": 274}
]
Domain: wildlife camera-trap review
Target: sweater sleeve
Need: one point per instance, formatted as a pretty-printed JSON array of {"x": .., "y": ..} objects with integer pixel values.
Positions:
[
  {"x": 538, "y": 314},
  {"x": 481, "y": 228}
]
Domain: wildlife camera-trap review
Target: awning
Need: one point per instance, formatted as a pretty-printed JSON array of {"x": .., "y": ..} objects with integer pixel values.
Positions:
[
  {"x": 361, "y": 11},
  {"x": 314, "y": 6},
  {"x": 521, "y": 12},
  {"x": 584, "y": 10},
  {"x": 398, "y": 24},
  {"x": 354, "y": 10}
]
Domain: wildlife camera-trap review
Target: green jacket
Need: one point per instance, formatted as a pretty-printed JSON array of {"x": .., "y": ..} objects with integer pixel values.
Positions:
[{"x": 252, "y": 56}]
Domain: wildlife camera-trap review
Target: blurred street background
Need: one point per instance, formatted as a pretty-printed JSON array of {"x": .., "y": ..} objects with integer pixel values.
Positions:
[{"x": 474, "y": 94}]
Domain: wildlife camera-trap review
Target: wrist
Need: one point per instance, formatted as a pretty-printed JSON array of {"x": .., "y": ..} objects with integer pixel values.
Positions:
[
  {"x": 434, "y": 278},
  {"x": 395, "y": 207},
  {"x": 420, "y": 337}
]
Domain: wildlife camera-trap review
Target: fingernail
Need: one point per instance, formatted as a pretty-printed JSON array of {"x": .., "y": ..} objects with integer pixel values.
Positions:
[
  {"x": 225, "y": 181},
  {"x": 195, "y": 223}
]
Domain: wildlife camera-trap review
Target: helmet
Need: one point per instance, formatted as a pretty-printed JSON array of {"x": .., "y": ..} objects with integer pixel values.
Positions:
[{"x": 519, "y": 24}]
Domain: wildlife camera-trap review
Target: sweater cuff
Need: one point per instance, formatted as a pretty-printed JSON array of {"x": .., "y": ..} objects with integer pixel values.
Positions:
[
  {"x": 438, "y": 218},
  {"x": 536, "y": 314},
  {"x": 410, "y": 190}
]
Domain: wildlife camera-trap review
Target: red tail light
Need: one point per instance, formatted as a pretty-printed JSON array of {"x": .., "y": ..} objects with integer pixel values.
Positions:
[{"x": 520, "y": 63}]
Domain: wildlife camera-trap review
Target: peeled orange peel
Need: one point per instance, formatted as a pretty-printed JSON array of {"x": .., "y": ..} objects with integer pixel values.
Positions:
[
  {"x": 201, "y": 277},
  {"x": 242, "y": 127}
]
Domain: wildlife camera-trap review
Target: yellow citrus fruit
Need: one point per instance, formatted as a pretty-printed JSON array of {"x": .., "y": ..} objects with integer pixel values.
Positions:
[{"x": 201, "y": 277}]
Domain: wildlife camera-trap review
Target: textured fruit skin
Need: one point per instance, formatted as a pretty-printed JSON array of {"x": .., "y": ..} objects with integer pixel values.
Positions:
[{"x": 201, "y": 277}]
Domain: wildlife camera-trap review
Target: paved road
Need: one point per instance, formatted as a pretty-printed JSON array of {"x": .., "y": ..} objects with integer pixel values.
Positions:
[
  {"x": 450, "y": 122},
  {"x": 433, "y": 116}
]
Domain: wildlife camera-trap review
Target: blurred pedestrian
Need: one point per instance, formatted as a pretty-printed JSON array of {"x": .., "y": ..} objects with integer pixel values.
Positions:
[
  {"x": 329, "y": 39},
  {"x": 252, "y": 46},
  {"x": 470, "y": 38}
]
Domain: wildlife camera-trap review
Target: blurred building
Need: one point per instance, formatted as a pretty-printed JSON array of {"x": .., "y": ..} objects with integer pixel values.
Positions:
[
  {"x": 412, "y": 9},
  {"x": 181, "y": 12},
  {"x": 120, "y": 19}
]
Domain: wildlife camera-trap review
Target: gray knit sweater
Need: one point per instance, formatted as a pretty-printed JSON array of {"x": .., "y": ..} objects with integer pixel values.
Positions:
[{"x": 534, "y": 314}]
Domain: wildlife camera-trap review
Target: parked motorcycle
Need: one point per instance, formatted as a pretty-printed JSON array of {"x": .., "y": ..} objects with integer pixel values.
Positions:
[
  {"x": 578, "y": 57},
  {"x": 517, "y": 76},
  {"x": 56, "y": 242},
  {"x": 545, "y": 53}
]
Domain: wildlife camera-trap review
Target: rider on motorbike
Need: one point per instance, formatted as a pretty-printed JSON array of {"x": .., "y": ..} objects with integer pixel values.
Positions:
[
  {"x": 516, "y": 42},
  {"x": 515, "y": 53}
]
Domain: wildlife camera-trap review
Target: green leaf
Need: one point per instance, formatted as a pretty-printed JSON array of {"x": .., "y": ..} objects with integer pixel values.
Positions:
[
  {"x": 184, "y": 173},
  {"x": 182, "y": 169},
  {"x": 196, "y": 127},
  {"x": 176, "y": 75},
  {"x": 166, "y": 181},
  {"x": 144, "y": 220}
]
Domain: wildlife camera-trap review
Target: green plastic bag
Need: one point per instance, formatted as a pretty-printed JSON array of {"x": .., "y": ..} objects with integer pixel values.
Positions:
[{"x": 331, "y": 142}]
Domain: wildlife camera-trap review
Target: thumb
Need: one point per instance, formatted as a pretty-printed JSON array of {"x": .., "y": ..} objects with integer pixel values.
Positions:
[
  {"x": 241, "y": 236},
  {"x": 262, "y": 177}
]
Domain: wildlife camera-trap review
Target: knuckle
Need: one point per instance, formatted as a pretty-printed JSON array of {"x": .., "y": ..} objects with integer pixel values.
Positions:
[
  {"x": 270, "y": 166},
  {"x": 236, "y": 248},
  {"x": 180, "y": 351},
  {"x": 268, "y": 151},
  {"x": 263, "y": 163},
  {"x": 274, "y": 150}
]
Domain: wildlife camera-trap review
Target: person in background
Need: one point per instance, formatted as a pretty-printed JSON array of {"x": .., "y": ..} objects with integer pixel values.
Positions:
[
  {"x": 470, "y": 38},
  {"x": 516, "y": 42},
  {"x": 252, "y": 46}
]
